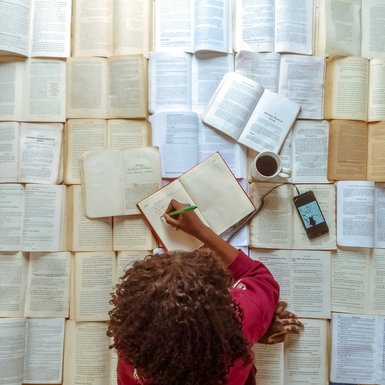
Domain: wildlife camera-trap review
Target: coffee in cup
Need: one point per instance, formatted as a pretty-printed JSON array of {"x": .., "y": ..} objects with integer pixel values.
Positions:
[{"x": 267, "y": 165}]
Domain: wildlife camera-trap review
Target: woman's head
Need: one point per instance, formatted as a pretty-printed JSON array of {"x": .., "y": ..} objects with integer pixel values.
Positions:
[{"x": 174, "y": 319}]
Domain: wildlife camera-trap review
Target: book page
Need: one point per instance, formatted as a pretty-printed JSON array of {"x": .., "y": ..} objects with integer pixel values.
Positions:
[
  {"x": 272, "y": 227},
  {"x": 87, "y": 87},
  {"x": 156, "y": 204},
  {"x": 40, "y": 152},
  {"x": 127, "y": 87},
  {"x": 269, "y": 363},
  {"x": 254, "y": 25},
  {"x": 169, "y": 81},
  {"x": 376, "y": 156},
  {"x": 379, "y": 209},
  {"x": 373, "y": 29},
  {"x": 86, "y": 355},
  {"x": 376, "y": 102},
  {"x": 43, "y": 226},
  {"x": 12, "y": 346},
  {"x": 173, "y": 22},
  {"x": 85, "y": 234},
  {"x": 207, "y": 73},
  {"x": 9, "y": 145},
  {"x": 355, "y": 213},
  {"x": 376, "y": 290},
  {"x": 15, "y": 28},
  {"x": 94, "y": 279},
  {"x": 294, "y": 26},
  {"x": 126, "y": 259},
  {"x": 212, "y": 26},
  {"x": 132, "y": 233},
  {"x": 11, "y": 88},
  {"x": 231, "y": 105},
  {"x": 176, "y": 134},
  {"x": 269, "y": 122},
  {"x": 81, "y": 135},
  {"x": 126, "y": 133},
  {"x": 301, "y": 80},
  {"x": 348, "y": 148},
  {"x": 326, "y": 197},
  {"x": 355, "y": 355},
  {"x": 13, "y": 274},
  {"x": 48, "y": 285},
  {"x": 233, "y": 153},
  {"x": 132, "y": 27},
  {"x": 51, "y": 28},
  {"x": 45, "y": 91},
  {"x": 219, "y": 196},
  {"x": 262, "y": 67},
  {"x": 350, "y": 280},
  {"x": 92, "y": 28},
  {"x": 11, "y": 216},
  {"x": 346, "y": 88},
  {"x": 44, "y": 351},
  {"x": 309, "y": 148},
  {"x": 306, "y": 355}
]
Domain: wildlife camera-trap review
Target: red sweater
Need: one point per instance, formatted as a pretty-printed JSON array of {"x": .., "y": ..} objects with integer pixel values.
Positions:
[{"x": 257, "y": 292}]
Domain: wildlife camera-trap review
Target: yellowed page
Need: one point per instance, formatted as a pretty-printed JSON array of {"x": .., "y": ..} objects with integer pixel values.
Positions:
[
  {"x": 9, "y": 143},
  {"x": 347, "y": 88},
  {"x": 94, "y": 280},
  {"x": 127, "y": 133},
  {"x": 347, "y": 155},
  {"x": 125, "y": 259},
  {"x": 376, "y": 153},
  {"x": 269, "y": 363},
  {"x": 377, "y": 89},
  {"x": 376, "y": 294},
  {"x": 85, "y": 234}
]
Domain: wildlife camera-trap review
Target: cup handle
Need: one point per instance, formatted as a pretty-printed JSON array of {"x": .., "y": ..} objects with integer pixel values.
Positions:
[{"x": 285, "y": 173}]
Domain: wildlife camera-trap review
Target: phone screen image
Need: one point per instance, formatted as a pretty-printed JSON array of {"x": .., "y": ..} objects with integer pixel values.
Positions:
[{"x": 311, "y": 214}]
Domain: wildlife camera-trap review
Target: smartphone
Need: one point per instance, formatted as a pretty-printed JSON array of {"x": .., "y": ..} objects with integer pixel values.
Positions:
[{"x": 310, "y": 214}]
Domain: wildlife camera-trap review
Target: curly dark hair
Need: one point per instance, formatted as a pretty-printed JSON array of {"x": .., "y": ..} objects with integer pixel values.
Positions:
[{"x": 173, "y": 318}]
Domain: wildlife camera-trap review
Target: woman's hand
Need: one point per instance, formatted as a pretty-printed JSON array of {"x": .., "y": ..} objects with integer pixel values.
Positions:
[{"x": 284, "y": 322}]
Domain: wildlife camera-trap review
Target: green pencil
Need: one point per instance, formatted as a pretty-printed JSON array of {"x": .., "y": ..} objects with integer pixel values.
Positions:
[{"x": 182, "y": 210}]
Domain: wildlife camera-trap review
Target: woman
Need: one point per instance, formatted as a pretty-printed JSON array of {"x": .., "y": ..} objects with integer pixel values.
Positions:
[{"x": 190, "y": 318}]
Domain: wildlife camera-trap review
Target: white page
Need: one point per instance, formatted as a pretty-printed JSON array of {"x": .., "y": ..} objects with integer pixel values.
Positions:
[
  {"x": 44, "y": 351},
  {"x": 12, "y": 344},
  {"x": 127, "y": 133},
  {"x": 356, "y": 354},
  {"x": 13, "y": 273},
  {"x": 262, "y": 67},
  {"x": 301, "y": 80},
  {"x": 376, "y": 292},
  {"x": 269, "y": 363},
  {"x": 47, "y": 292},
  {"x": 176, "y": 135},
  {"x": 379, "y": 224},
  {"x": 173, "y": 25},
  {"x": 294, "y": 26},
  {"x": 11, "y": 216},
  {"x": 51, "y": 28},
  {"x": 355, "y": 213},
  {"x": 125, "y": 260},
  {"x": 169, "y": 82},
  {"x": 40, "y": 152},
  {"x": 9, "y": 145},
  {"x": 207, "y": 73}
]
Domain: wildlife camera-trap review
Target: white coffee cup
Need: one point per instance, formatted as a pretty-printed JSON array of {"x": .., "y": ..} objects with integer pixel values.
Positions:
[{"x": 267, "y": 165}]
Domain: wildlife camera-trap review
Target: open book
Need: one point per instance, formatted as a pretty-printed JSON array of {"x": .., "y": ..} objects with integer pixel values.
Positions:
[
  {"x": 114, "y": 180},
  {"x": 33, "y": 90},
  {"x": 354, "y": 88},
  {"x": 360, "y": 213},
  {"x": 193, "y": 26},
  {"x": 276, "y": 25},
  {"x": 35, "y": 28},
  {"x": 35, "y": 345},
  {"x": 111, "y": 28},
  {"x": 357, "y": 281},
  {"x": 211, "y": 186},
  {"x": 356, "y": 151},
  {"x": 359, "y": 34},
  {"x": 107, "y": 88},
  {"x": 31, "y": 152},
  {"x": 184, "y": 141},
  {"x": 278, "y": 225},
  {"x": 250, "y": 114}
]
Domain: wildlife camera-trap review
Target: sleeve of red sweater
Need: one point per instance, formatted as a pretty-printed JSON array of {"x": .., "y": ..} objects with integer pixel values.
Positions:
[{"x": 257, "y": 292}]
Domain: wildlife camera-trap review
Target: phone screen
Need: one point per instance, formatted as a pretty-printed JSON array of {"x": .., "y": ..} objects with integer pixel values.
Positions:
[{"x": 311, "y": 214}]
